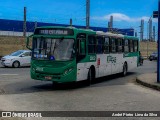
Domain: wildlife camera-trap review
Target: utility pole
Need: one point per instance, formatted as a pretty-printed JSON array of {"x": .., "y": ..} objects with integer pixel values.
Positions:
[
  {"x": 156, "y": 14},
  {"x": 111, "y": 21},
  {"x": 141, "y": 30},
  {"x": 109, "y": 26},
  {"x": 35, "y": 25},
  {"x": 154, "y": 33},
  {"x": 158, "y": 61},
  {"x": 136, "y": 34},
  {"x": 87, "y": 13},
  {"x": 24, "y": 23},
  {"x": 71, "y": 22}
]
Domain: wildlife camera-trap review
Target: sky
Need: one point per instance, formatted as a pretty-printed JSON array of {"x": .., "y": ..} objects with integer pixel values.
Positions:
[{"x": 126, "y": 13}]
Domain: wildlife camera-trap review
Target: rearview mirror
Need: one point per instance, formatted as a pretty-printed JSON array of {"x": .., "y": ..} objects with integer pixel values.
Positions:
[{"x": 22, "y": 56}]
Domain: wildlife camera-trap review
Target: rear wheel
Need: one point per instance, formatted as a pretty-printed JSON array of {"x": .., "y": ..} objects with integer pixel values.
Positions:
[
  {"x": 91, "y": 76},
  {"x": 16, "y": 64},
  {"x": 124, "y": 73}
]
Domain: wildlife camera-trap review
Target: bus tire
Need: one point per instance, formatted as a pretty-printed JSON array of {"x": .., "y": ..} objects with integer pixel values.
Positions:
[
  {"x": 54, "y": 84},
  {"x": 91, "y": 76},
  {"x": 16, "y": 64},
  {"x": 124, "y": 73}
]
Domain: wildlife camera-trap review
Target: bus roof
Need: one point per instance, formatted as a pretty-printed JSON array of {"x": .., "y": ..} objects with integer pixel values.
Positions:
[
  {"x": 109, "y": 34},
  {"x": 77, "y": 30},
  {"x": 80, "y": 30},
  {"x": 130, "y": 37}
]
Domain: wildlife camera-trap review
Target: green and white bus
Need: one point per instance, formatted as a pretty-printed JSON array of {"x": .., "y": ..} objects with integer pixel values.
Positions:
[{"x": 68, "y": 54}]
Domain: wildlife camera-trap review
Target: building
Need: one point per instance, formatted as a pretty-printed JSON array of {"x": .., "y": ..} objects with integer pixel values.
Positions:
[{"x": 15, "y": 28}]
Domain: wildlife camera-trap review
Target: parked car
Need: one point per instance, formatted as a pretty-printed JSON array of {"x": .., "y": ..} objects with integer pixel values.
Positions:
[
  {"x": 17, "y": 59},
  {"x": 153, "y": 56}
]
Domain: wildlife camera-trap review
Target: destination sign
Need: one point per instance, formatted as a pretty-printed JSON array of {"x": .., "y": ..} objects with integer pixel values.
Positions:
[{"x": 54, "y": 31}]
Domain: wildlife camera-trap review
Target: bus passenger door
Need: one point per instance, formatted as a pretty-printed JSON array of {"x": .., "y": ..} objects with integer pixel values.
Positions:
[
  {"x": 115, "y": 61},
  {"x": 108, "y": 67},
  {"x": 117, "y": 56},
  {"x": 82, "y": 70}
]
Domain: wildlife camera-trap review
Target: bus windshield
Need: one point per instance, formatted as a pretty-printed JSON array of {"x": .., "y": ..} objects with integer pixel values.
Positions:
[{"x": 53, "y": 49}]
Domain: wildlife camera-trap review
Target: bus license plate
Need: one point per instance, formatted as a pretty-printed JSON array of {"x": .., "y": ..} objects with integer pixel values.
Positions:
[{"x": 48, "y": 78}]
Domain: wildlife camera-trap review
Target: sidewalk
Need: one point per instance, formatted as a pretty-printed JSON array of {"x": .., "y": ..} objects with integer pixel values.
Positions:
[{"x": 149, "y": 80}]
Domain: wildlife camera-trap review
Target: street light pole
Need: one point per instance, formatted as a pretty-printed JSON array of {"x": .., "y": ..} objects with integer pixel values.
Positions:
[
  {"x": 147, "y": 38},
  {"x": 148, "y": 32},
  {"x": 158, "y": 61}
]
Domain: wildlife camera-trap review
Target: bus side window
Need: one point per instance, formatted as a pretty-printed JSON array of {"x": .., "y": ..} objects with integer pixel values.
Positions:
[
  {"x": 119, "y": 46},
  {"x": 113, "y": 45},
  {"x": 135, "y": 46},
  {"x": 126, "y": 46},
  {"x": 130, "y": 46},
  {"x": 99, "y": 47},
  {"x": 106, "y": 45},
  {"x": 91, "y": 44}
]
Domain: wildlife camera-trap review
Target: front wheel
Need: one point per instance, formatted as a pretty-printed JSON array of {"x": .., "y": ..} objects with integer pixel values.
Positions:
[
  {"x": 54, "y": 84},
  {"x": 16, "y": 64}
]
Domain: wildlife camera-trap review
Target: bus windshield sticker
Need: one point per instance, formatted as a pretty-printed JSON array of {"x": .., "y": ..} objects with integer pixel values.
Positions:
[{"x": 52, "y": 58}]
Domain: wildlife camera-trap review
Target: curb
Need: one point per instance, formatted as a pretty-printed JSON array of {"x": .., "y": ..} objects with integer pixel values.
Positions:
[{"x": 148, "y": 84}]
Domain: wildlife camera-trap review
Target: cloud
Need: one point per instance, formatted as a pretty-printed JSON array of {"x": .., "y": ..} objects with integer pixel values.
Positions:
[{"x": 119, "y": 17}]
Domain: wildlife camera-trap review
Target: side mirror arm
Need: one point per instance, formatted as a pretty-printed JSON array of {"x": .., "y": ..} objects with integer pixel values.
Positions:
[{"x": 27, "y": 42}]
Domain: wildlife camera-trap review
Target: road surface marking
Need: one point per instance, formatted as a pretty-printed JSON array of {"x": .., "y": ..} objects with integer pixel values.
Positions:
[{"x": 8, "y": 74}]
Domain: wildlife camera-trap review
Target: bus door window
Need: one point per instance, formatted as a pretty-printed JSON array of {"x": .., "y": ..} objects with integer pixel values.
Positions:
[
  {"x": 106, "y": 45},
  {"x": 81, "y": 46},
  {"x": 91, "y": 44},
  {"x": 99, "y": 48},
  {"x": 82, "y": 49},
  {"x": 126, "y": 46}
]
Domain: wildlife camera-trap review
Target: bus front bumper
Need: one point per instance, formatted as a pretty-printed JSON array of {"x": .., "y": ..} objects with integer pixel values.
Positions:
[{"x": 69, "y": 76}]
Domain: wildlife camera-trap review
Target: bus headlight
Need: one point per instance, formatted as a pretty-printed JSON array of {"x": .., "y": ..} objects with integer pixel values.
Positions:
[
  {"x": 68, "y": 71},
  {"x": 33, "y": 69}
]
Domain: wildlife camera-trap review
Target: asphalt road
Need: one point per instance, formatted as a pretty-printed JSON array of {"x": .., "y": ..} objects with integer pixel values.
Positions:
[{"x": 113, "y": 93}]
